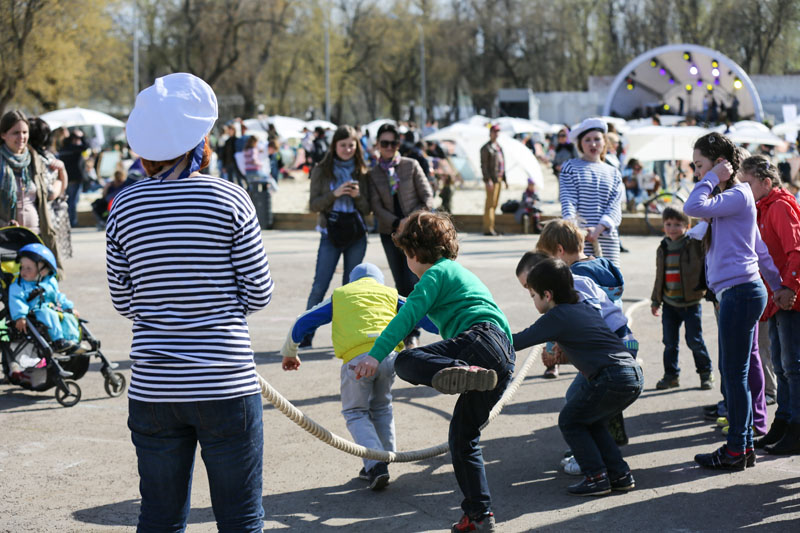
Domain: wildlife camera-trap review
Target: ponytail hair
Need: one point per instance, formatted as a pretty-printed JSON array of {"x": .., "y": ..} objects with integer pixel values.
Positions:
[
  {"x": 717, "y": 146},
  {"x": 760, "y": 167}
]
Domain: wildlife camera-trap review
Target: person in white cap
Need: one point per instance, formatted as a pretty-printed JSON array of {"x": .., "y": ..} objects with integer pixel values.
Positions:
[
  {"x": 591, "y": 191},
  {"x": 185, "y": 262}
]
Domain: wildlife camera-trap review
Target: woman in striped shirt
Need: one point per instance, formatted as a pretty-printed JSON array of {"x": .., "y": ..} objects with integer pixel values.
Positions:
[
  {"x": 186, "y": 263},
  {"x": 591, "y": 191}
]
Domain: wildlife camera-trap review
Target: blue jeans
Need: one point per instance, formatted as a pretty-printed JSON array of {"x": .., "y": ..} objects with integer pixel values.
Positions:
[
  {"x": 485, "y": 345},
  {"x": 739, "y": 310},
  {"x": 784, "y": 339},
  {"x": 230, "y": 433},
  {"x": 584, "y": 419},
  {"x": 327, "y": 259},
  {"x": 691, "y": 316},
  {"x": 367, "y": 406},
  {"x": 73, "y": 196}
]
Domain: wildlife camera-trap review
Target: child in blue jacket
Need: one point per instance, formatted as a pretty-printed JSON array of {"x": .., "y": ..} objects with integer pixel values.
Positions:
[{"x": 50, "y": 306}]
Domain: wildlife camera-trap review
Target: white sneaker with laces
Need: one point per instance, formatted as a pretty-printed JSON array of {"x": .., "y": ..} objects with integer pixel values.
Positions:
[{"x": 572, "y": 467}]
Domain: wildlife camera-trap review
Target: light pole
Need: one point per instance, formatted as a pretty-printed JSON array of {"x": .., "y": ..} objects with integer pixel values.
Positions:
[
  {"x": 135, "y": 51},
  {"x": 328, "y": 64},
  {"x": 423, "y": 114}
]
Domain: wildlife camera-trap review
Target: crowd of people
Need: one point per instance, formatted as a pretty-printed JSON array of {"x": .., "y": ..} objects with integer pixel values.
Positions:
[{"x": 193, "y": 374}]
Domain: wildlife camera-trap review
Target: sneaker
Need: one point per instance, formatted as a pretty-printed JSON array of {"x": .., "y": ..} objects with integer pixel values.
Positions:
[
  {"x": 362, "y": 474},
  {"x": 722, "y": 421},
  {"x": 725, "y": 430},
  {"x": 722, "y": 460},
  {"x": 770, "y": 399},
  {"x": 484, "y": 525},
  {"x": 669, "y": 381},
  {"x": 623, "y": 483},
  {"x": 712, "y": 415},
  {"x": 710, "y": 408},
  {"x": 64, "y": 346},
  {"x": 378, "y": 476},
  {"x": 706, "y": 381},
  {"x": 459, "y": 379},
  {"x": 551, "y": 372},
  {"x": 750, "y": 458},
  {"x": 572, "y": 467},
  {"x": 411, "y": 342},
  {"x": 598, "y": 485}
]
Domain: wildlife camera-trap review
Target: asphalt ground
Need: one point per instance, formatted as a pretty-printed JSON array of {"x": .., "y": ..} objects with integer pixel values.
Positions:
[{"x": 75, "y": 469}]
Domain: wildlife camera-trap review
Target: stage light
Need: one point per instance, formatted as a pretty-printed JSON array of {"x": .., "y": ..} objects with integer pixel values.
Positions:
[
  {"x": 666, "y": 107},
  {"x": 653, "y": 63},
  {"x": 709, "y": 87},
  {"x": 716, "y": 81},
  {"x": 629, "y": 83},
  {"x": 687, "y": 56},
  {"x": 688, "y": 87},
  {"x": 630, "y": 86},
  {"x": 693, "y": 70},
  {"x": 737, "y": 84},
  {"x": 715, "y": 72},
  {"x": 699, "y": 82},
  {"x": 714, "y": 63},
  {"x": 662, "y": 71},
  {"x": 672, "y": 81}
]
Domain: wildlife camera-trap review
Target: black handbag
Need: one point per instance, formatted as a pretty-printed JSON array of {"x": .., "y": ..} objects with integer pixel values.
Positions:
[{"x": 345, "y": 228}]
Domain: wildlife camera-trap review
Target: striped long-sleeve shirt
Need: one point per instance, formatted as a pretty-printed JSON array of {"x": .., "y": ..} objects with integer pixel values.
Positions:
[
  {"x": 186, "y": 263},
  {"x": 593, "y": 192}
]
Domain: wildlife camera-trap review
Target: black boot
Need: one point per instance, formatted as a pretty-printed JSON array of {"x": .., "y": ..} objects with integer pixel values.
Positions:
[
  {"x": 789, "y": 444},
  {"x": 775, "y": 433}
]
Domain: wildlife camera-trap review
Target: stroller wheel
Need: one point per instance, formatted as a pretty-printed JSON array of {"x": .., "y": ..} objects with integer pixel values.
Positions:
[
  {"x": 68, "y": 399},
  {"x": 115, "y": 384}
]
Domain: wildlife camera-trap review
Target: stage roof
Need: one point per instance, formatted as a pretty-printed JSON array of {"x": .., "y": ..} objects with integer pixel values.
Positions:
[{"x": 663, "y": 75}]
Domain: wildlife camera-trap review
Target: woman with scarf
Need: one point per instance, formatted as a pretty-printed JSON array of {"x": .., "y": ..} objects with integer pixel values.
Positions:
[
  {"x": 40, "y": 140},
  {"x": 24, "y": 193},
  {"x": 339, "y": 195},
  {"x": 398, "y": 187}
]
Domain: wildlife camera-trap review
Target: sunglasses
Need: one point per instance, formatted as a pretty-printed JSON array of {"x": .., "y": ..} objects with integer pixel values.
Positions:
[
  {"x": 562, "y": 134},
  {"x": 389, "y": 144}
]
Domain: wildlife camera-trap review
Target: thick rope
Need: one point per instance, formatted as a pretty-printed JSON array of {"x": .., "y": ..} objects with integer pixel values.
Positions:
[{"x": 345, "y": 445}]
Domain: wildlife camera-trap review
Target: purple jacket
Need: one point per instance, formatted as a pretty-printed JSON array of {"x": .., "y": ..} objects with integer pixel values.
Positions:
[{"x": 737, "y": 251}]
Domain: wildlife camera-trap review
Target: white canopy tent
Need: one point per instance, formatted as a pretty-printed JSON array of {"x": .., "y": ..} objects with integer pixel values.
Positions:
[
  {"x": 468, "y": 139},
  {"x": 663, "y": 143},
  {"x": 78, "y": 116}
]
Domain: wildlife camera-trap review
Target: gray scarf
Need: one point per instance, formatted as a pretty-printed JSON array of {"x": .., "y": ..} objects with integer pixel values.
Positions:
[{"x": 8, "y": 183}]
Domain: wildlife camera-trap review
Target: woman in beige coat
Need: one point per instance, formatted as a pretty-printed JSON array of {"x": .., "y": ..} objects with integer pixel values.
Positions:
[{"x": 397, "y": 188}]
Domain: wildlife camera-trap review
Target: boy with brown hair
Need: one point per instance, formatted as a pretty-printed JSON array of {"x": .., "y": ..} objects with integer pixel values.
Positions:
[
  {"x": 679, "y": 286},
  {"x": 475, "y": 359}
]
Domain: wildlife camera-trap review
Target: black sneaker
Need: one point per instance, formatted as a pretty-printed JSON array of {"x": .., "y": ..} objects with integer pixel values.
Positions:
[
  {"x": 378, "y": 476},
  {"x": 710, "y": 408},
  {"x": 770, "y": 399},
  {"x": 668, "y": 382},
  {"x": 305, "y": 343},
  {"x": 362, "y": 474},
  {"x": 706, "y": 380},
  {"x": 712, "y": 415},
  {"x": 598, "y": 485},
  {"x": 623, "y": 483},
  {"x": 750, "y": 458},
  {"x": 64, "y": 346},
  {"x": 721, "y": 460}
]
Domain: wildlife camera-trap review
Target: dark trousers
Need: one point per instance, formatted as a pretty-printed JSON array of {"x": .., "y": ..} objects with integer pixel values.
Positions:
[
  {"x": 691, "y": 317},
  {"x": 484, "y": 345},
  {"x": 404, "y": 279}
]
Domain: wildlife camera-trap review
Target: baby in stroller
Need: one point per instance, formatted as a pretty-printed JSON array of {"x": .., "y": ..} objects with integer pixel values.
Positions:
[{"x": 36, "y": 289}]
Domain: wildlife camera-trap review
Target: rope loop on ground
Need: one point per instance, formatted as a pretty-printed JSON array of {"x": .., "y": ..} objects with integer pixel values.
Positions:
[{"x": 347, "y": 446}]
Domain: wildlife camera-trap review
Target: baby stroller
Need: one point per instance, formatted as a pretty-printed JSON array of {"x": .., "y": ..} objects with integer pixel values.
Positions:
[{"x": 28, "y": 358}]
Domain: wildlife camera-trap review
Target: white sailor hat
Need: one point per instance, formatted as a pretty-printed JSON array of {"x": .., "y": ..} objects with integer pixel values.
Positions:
[
  {"x": 171, "y": 117},
  {"x": 587, "y": 124}
]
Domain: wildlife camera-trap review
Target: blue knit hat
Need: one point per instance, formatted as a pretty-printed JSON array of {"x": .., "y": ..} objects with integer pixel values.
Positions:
[{"x": 366, "y": 270}]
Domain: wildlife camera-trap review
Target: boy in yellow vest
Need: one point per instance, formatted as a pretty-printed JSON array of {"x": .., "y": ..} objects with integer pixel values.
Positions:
[{"x": 358, "y": 312}]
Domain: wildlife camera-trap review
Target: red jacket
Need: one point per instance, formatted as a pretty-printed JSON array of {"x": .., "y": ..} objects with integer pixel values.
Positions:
[{"x": 779, "y": 223}]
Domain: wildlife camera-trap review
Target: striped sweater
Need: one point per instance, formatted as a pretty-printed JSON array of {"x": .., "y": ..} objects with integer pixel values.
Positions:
[
  {"x": 186, "y": 263},
  {"x": 592, "y": 193}
]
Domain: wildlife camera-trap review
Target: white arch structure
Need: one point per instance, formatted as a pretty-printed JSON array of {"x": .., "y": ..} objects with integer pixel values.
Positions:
[{"x": 645, "y": 82}]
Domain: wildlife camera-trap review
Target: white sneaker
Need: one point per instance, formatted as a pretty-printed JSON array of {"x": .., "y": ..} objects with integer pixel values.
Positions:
[
  {"x": 565, "y": 460},
  {"x": 572, "y": 467}
]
